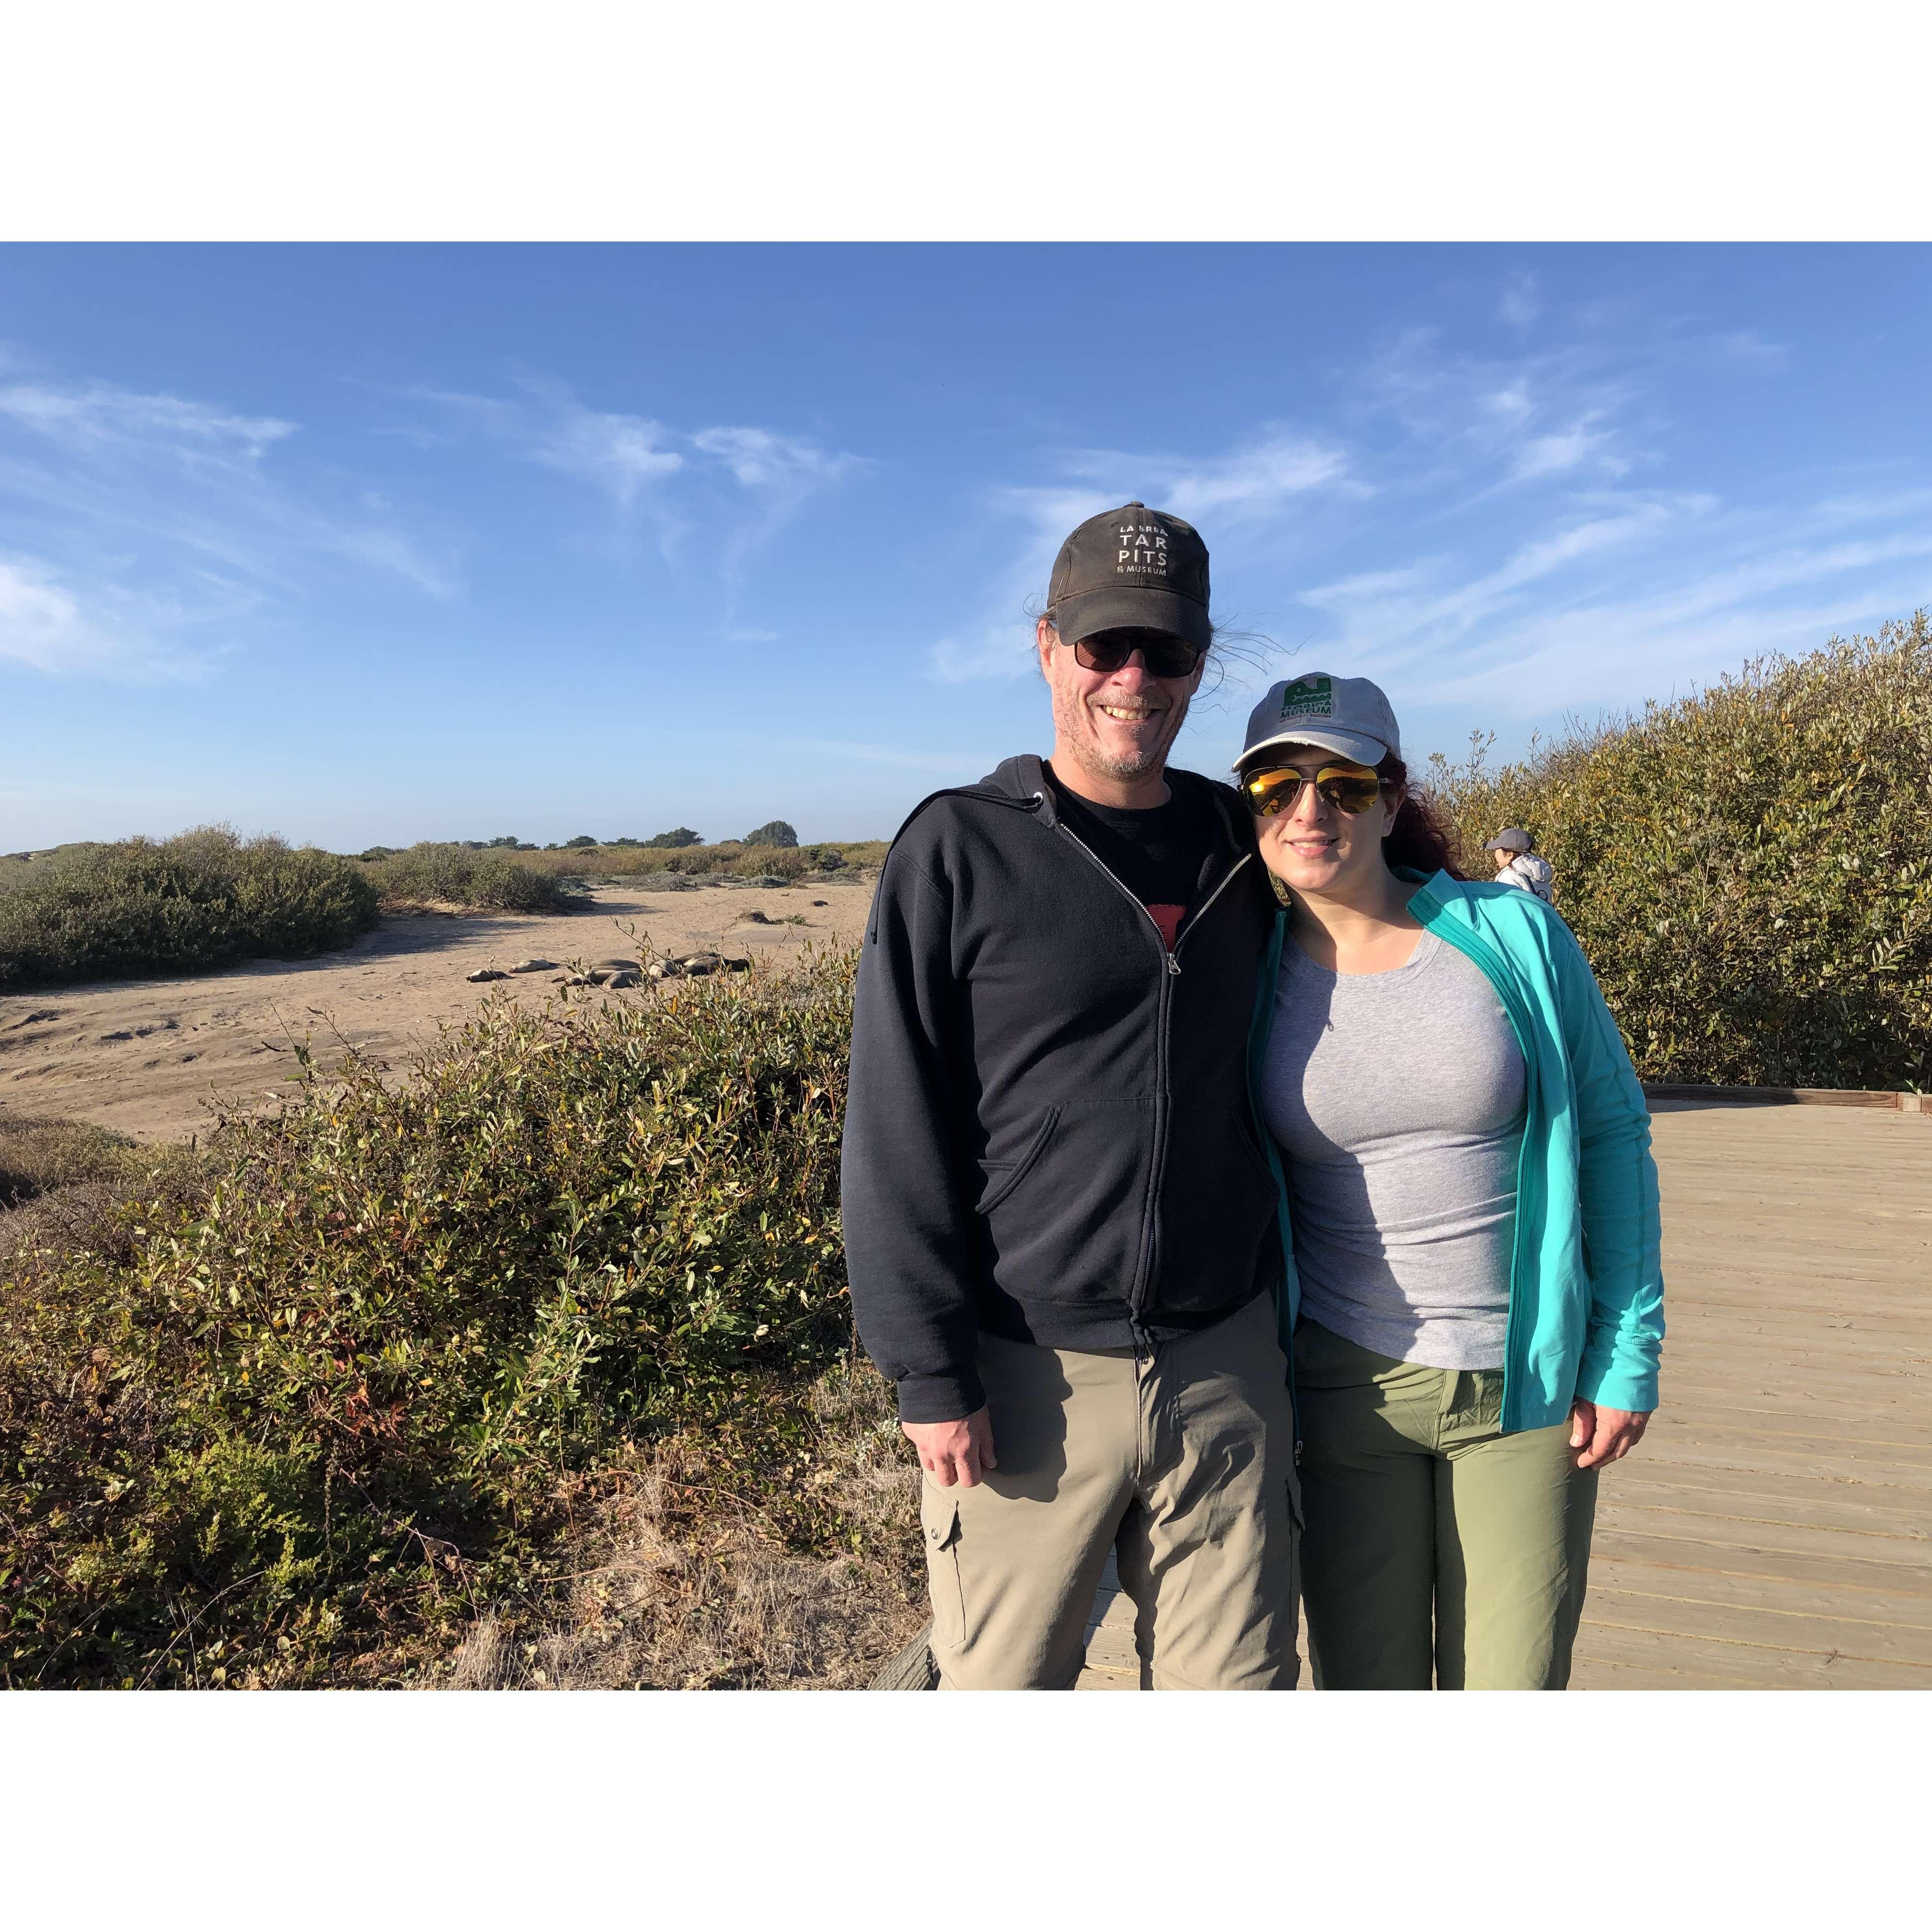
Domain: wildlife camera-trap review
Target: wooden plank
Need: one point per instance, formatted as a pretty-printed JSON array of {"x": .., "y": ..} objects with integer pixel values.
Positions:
[
  {"x": 1673, "y": 1435},
  {"x": 1896, "y": 1291},
  {"x": 1877, "y": 1406},
  {"x": 1866, "y": 1576},
  {"x": 1822, "y": 1390},
  {"x": 1906, "y": 1335},
  {"x": 1738, "y": 1419},
  {"x": 1776, "y": 1097},
  {"x": 1713, "y": 1664},
  {"x": 1741, "y": 1611},
  {"x": 1802, "y": 1537},
  {"x": 1819, "y": 1392},
  {"x": 1749, "y": 1495},
  {"x": 1687, "y": 1450}
]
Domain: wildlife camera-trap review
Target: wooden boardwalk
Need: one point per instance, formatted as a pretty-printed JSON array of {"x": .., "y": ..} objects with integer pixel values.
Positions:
[{"x": 1773, "y": 1529}]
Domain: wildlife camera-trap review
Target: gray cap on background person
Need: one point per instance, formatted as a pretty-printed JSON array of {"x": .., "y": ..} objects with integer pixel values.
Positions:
[
  {"x": 1347, "y": 715},
  {"x": 1131, "y": 569},
  {"x": 1510, "y": 838}
]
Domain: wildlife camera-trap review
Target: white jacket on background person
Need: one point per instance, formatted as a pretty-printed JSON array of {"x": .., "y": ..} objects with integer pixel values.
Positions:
[{"x": 1533, "y": 874}]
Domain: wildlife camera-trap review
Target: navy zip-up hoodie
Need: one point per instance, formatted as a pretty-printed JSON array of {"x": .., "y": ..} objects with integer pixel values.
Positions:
[{"x": 1048, "y": 1136}]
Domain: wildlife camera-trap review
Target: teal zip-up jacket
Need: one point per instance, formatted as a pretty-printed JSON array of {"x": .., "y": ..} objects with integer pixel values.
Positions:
[{"x": 1586, "y": 1283}]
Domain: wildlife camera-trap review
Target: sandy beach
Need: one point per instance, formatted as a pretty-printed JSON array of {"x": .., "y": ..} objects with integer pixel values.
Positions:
[{"x": 156, "y": 1058}]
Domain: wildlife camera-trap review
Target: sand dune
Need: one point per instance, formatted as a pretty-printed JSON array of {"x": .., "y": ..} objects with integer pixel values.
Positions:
[{"x": 155, "y": 1058}]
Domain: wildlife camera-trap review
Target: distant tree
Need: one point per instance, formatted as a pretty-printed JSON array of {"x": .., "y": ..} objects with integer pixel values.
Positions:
[
  {"x": 670, "y": 841},
  {"x": 378, "y": 852},
  {"x": 778, "y": 833},
  {"x": 513, "y": 844},
  {"x": 582, "y": 838},
  {"x": 623, "y": 841}
]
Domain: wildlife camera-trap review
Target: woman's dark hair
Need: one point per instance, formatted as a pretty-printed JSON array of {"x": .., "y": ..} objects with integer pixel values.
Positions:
[{"x": 1416, "y": 839}]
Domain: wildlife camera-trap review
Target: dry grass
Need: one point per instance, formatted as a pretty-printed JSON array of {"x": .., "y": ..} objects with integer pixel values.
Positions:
[
  {"x": 69, "y": 1188},
  {"x": 38, "y": 1154},
  {"x": 680, "y": 1585}
]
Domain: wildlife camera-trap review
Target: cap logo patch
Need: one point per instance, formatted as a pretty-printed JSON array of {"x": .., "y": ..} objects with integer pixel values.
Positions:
[
  {"x": 1310, "y": 697},
  {"x": 1142, "y": 551}
]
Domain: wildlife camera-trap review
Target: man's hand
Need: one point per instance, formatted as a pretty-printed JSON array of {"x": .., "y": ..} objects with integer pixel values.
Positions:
[
  {"x": 954, "y": 1452},
  {"x": 1603, "y": 1435}
]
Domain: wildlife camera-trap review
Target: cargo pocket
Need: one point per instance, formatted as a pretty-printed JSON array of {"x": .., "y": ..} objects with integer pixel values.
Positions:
[{"x": 939, "y": 1517}]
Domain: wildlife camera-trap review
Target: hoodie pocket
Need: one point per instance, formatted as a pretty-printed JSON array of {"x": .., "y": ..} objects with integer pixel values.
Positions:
[
  {"x": 1002, "y": 1177},
  {"x": 1067, "y": 1224}
]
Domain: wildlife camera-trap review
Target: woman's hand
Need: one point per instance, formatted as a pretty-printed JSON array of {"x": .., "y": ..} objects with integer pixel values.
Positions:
[{"x": 1603, "y": 1435}]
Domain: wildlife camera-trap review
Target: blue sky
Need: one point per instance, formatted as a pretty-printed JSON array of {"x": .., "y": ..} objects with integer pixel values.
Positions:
[{"x": 376, "y": 543}]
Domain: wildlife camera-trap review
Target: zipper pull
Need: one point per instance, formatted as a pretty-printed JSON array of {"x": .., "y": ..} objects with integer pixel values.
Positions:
[{"x": 1173, "y": 967}]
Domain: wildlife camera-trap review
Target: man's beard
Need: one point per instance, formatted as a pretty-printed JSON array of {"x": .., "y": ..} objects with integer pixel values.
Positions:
[
  {"x": 1127, "y": 766},
  {"x": 1136, "y": 766}
]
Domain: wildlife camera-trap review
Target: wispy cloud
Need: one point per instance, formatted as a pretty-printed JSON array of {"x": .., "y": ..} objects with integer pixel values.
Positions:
[
  {"x": 1747, "y": 345},
  {"x": 778, "y": 476},
  {"x": 1587, "y": 443},
  {"x": 621, "y": 454},
  {"x": 100, "y": 418},
  {"x": 1519, "y": 307},
  {"x": 144, "y": 527},
  {"x": 1476, "y": 423},
  {"x": 740, "y": 482}
]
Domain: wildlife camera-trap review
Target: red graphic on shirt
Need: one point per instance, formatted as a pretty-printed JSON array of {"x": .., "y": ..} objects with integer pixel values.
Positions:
[{"x": 1168, "y": 918}]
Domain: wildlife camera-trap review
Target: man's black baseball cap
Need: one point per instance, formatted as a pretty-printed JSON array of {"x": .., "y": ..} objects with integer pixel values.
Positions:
[{"x": 1132, "y": 568}]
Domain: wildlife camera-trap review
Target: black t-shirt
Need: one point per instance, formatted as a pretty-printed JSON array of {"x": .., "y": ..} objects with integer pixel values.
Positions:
[{"x": 1159, "y": 854}]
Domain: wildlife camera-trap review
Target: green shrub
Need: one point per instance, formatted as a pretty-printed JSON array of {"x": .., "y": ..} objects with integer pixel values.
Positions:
[
  {"x": 669, "y": 841},
  {"x": 302, "y": 1427},
  {"x": 775, "y": 832},
  {"x": 203, "y": 900},
  {"x": 1749, "y": 869},
  {"x": 451, "y": 874}
]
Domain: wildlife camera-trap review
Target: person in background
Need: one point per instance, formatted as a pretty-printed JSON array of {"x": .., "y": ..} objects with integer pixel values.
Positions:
[
  {"x": 1475, "y": 1284},
  {"x": 1517, "y": 863},
  {"x": 1061, "y": 1225}
]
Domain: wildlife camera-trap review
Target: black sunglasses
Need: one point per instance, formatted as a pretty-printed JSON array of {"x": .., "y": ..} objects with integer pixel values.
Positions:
[{"x": 1164, "y": 654}]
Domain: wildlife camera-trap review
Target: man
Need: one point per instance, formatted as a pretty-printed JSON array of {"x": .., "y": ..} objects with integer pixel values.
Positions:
[{"x": 1061, "y": 1228}]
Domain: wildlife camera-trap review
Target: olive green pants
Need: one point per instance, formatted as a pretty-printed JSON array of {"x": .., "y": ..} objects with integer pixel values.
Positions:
[
  {"x": 1181, "y": 1463},
  {"x": 1438, "y": 1549}
]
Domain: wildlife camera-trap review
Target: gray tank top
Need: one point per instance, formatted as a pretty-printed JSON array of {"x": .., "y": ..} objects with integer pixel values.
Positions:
[{"x": 1397, "y": 1098}]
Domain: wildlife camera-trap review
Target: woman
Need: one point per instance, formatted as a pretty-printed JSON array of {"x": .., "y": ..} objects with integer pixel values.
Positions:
[{"x": 1471, "y": 1213}]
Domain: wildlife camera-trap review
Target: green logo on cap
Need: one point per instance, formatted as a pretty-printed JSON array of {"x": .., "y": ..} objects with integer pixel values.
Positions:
[{"x": 1310, "y": 697}]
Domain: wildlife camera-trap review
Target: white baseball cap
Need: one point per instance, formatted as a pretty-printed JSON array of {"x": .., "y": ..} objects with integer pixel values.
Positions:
[{"x": 1347, "y": 715}]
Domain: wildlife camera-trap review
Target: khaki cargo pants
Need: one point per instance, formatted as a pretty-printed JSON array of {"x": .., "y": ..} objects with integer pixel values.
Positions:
[{"x": 1181, "y": 1463}]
